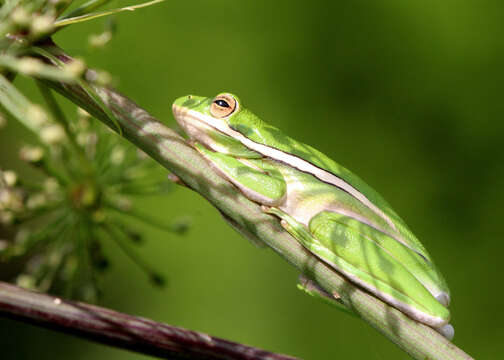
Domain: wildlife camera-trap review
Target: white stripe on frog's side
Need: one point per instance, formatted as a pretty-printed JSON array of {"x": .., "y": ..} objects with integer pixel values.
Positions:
[{"x": 191, "y": 119}]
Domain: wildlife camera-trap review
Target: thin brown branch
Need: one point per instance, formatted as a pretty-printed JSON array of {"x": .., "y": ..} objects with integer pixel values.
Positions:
[{"x": 121, "y": 330}]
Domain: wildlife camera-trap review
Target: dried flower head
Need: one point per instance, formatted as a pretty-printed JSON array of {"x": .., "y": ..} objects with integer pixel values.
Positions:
[
  {"x": 56, "y": 223},
  {"x": 83, "y": 198}
]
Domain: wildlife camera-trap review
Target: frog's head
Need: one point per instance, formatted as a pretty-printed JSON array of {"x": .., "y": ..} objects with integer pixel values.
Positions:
[{"x": 219, "y": 122}]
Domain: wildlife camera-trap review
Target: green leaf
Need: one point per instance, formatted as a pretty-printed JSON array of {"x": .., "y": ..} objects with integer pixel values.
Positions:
[
  {"x": 86, "y": 8},
  {"x": 89, "y": 89},
  {"x": 34, "y": 67},
  {"x": 20, "y": 107},
  {"x": 90, "y": 16}
]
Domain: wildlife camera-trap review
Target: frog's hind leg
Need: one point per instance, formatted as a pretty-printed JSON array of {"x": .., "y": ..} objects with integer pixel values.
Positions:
[
  {"x": 360, "y": 256},
  {"x": 378, "y": 263},
  {"x": 299, "y": 232}
]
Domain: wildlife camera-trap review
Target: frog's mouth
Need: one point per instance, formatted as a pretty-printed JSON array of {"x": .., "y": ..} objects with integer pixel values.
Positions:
[
  {"x": 209, "y": 132},
  {"x": 192, "y": 124}
]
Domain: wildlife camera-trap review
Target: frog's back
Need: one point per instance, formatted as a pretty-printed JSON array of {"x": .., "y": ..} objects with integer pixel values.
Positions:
[{"x": 263, "y": 133}]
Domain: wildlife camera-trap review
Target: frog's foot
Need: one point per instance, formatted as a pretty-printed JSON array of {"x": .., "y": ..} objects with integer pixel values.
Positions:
[{"x": 308, "y": 285}]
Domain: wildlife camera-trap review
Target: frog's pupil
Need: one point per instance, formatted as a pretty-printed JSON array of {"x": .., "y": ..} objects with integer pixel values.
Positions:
[{"x": 222, "y": 103}]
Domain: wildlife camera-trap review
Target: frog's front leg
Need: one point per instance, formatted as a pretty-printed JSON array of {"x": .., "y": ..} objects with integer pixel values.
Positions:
[
  {"x": 299, "y": 232},
  {"x": 264, "y": 186},
  {"x": 256, "y": 183}
]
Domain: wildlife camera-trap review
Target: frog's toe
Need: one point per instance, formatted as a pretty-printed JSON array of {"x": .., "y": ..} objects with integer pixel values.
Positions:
[
  {"x": 447, "y": 331},
  {"x": 265, "y": 208},
  {"x": 443, "y": 298}
]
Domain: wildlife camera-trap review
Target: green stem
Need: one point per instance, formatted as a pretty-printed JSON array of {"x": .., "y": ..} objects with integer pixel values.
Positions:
[
  {"x": 59, "y": 116},
  {"x": 85, "y": 8},
  {"x": 142, "y": 217},
  {"x": 117, "y": 234}
]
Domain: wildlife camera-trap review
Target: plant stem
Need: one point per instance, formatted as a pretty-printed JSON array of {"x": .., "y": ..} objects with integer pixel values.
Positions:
[
  {"x": 60, "y": 118},
  {"x": 175, "y": 154},
  {"x": 121, "y": 330}
]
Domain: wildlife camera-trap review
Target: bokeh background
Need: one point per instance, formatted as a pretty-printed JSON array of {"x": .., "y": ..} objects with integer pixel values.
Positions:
[{"x": 406, "y": 94}]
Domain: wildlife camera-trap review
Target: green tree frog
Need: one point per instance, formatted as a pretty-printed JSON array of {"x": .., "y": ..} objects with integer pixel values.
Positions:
[{"x": 329, "y": 210}]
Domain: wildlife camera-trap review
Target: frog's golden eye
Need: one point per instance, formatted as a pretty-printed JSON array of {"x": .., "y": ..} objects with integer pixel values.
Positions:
[{"x": 223, "y": 105}]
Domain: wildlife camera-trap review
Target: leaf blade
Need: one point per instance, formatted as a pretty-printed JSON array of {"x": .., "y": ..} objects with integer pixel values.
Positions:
[{"x": 95, "y": 15}]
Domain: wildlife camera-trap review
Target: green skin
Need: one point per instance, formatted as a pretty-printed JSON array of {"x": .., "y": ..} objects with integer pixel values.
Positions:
[{"x": 329, "y": 210}]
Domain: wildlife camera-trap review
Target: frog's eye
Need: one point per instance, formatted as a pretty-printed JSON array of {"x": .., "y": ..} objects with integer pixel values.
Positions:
[{"x": 223, "y": 105}]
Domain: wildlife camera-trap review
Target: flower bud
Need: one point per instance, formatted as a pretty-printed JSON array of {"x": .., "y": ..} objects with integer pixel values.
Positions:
[
  {"x": 29, "y": 66},
  {"x": 10, "y": 177},
  {"x": 123, "y": 203},
  {"x": 36, "y": 201},
  {"x": 6, "y": 217},
  {"x": 42, "y": 25},
  {"x": 53, "y": 134},
  {"x": 117, "y": 155},
  {"x": 31, "y": 154},
  {"x": 26, "y": 281},
  {"x": 20, "y": 16},
  {"x": 37, "y": 115},
  {"x": 82, "y": 113},
  {"x": 100, "y": 40},
  {"x": 11, "y": 199},
  {"x": 51, "y": 185},
  {"x": 103, "y": 78},
  {"x": 75, "y": 68},
  {"x": 4, "y": 244}
]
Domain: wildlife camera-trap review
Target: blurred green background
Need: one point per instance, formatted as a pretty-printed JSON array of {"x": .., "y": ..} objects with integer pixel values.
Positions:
[{"x": 408, "y": 95}]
